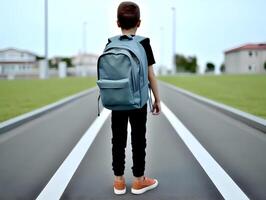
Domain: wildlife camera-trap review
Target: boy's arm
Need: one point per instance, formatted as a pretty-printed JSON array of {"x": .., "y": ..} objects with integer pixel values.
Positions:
[{"x": 155, "y": 91}]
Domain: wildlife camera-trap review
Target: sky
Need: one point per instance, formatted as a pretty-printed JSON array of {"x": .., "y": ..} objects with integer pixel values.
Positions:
[{"x": 204, "y": 28}]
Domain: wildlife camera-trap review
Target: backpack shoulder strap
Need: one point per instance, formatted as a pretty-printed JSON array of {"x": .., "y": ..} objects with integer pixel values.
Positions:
[
  {"x": 115, "y": 38},
  {"x": 139, "y": 38}
]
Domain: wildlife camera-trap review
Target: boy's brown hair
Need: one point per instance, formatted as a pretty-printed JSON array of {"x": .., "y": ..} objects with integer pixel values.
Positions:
[{"x": 128, "y": 15}]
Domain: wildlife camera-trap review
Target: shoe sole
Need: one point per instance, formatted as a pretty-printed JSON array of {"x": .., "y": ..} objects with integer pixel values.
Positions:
[
  {"x": 119, "y": 192},
  {"x": 141, "y": 191}
]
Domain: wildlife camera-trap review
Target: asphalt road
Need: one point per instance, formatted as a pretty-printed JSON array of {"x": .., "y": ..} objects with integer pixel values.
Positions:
[{"x": 30, "y": 154}]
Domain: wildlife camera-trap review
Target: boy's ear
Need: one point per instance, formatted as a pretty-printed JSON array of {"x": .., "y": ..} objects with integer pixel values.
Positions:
[
  {"x": 138, "y": 24},
  {"x": 118, "y": 23}
]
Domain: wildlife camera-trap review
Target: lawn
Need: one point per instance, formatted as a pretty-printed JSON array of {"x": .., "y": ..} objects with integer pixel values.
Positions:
[
  {"x": 21, "y": 96},
  {"x": 244, "y": 92}
]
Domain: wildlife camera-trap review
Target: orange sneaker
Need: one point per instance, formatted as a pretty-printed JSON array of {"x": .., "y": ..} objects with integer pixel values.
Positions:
[
  {"x": 139, "y": 187},
  {"x": 119, "y": 187}
]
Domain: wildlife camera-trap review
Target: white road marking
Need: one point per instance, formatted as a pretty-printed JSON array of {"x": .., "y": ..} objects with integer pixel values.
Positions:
[
  {"x": 223, "y": 182},
  {"x": 58, "y": 183}
]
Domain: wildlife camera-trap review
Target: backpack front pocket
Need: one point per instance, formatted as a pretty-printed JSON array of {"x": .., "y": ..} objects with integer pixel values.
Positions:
[{"x": 115, "y": 92}]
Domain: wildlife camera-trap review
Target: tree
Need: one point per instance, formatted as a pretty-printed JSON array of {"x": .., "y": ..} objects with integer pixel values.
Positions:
[
  {"x": 186, "y": 64},
  {"x": 222, "y": 68},
  {"x": 39, "y": 58},
  {"x": 54, "y": 62},
  {"x": 180, "y": 63},
  {"x": 192, "y": 64},
  {"x": 68, "y": 61},
  {"x": 209, "y": 67}
]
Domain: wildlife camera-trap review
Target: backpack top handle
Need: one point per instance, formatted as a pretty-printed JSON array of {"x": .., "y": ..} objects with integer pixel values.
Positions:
[{"x": 126, "y": 37}]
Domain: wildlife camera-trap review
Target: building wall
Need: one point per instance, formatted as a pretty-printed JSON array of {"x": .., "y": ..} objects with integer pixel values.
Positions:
[
  {"x": 13, "y": 61},
  {"x": 262, "y": 58},
  {"x": 13, "y": 55},
  {"x": 245, "y": 61},
  {"x": 86, "y": 64},
  {"x": 17, "y": 68},
  {"x": 231, "y": 62}
]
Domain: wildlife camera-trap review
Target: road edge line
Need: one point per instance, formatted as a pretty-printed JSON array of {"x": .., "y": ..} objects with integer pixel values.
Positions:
[
  {"x": 223, "y": 182},
  {"x": 58, "y": 183},
  {"x": 21, "y": 119}
]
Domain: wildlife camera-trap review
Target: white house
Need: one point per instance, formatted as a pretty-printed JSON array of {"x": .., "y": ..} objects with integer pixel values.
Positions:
[
  {"x": 17, "y": 62},
  {"x": 86, "y": 64},
  {"x": 249, "y": 58}
]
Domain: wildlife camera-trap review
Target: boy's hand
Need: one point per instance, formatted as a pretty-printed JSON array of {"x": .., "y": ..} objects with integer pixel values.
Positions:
[{"x": 156, "y": 108}]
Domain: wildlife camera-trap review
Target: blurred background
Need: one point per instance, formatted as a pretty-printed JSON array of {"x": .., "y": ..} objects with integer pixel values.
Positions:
[
  {"x": 198, "y": 33},
  {"x": 60, "y": 42}
]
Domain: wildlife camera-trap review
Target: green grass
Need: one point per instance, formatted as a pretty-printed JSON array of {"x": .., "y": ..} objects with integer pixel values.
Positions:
[
  {"x": 244, "y": 92},
  {"x": 21, "y": 96}
]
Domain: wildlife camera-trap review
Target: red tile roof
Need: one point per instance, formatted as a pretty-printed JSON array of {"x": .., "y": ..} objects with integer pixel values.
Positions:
[{"x": 261, "y": 46}]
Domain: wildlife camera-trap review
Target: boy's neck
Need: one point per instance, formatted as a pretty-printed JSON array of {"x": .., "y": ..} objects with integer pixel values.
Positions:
[{"x": 131, "y": 31}]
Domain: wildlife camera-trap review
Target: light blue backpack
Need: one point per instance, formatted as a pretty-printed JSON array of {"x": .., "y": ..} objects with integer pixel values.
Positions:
[{"x": 123, "y": 74}]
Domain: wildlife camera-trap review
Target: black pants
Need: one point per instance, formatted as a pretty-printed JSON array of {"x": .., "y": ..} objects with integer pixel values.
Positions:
[{"x": 137, "y": 119}]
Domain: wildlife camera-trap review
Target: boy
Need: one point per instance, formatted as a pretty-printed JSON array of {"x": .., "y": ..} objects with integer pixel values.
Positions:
[{"x": 128, "y": 19}]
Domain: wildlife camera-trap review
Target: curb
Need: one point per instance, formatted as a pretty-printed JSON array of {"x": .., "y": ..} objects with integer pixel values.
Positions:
[
  {"x": 249, "y": 119},
  {"x": 21, "y": 119}
]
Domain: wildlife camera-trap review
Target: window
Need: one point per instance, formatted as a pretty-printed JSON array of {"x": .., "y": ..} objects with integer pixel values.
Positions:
[
  {"x": 249, "y": 67},
  {"x": 250, "y": 53}
]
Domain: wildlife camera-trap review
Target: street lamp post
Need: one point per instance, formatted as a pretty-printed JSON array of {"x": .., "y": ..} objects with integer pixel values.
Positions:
[
  {"x": 46, "y": 29},
  {"x": 84, "y": 37},
  {"x": 43, "y": 73},
  {"x": 162, "y": 68},
  {"x": 174, "y": 40}
]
